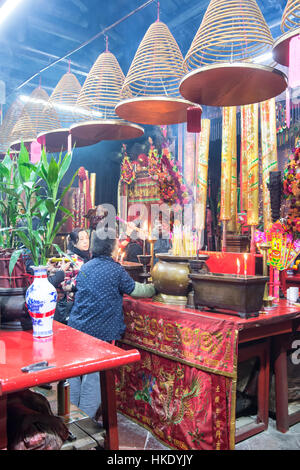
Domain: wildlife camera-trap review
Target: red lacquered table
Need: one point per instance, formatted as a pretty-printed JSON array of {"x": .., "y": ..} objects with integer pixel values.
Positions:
[{"x": 71, "y": 353}]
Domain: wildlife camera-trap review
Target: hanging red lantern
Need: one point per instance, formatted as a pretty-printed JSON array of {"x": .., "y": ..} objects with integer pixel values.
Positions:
[{"x": 194, "y": 119}]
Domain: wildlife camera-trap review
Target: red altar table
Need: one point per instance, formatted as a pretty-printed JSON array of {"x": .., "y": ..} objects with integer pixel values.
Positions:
[
  {"x": 181, "y": 348},
  {"x": 70, "y": 353}
]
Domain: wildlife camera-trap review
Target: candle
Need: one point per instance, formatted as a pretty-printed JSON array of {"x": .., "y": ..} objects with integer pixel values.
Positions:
[
  {"x": 238, "y": 266},
  {"x": 145, "y": 230},
  {"x": 245, "y": 263}
]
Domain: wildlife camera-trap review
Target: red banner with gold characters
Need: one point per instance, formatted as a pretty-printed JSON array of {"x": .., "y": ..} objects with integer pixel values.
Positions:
[
  {"x": 183, "y": 389},
  {"x": 249, "y": 120},
  {"x": 228, "y": 150},
  {"x": 232, "y": 225},
  {"x": 268, "y": 152},
  {"x": 202, "y": 153}
]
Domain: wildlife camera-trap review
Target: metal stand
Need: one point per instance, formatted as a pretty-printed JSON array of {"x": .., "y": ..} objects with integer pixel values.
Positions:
[{"x": 145, "y": 260}]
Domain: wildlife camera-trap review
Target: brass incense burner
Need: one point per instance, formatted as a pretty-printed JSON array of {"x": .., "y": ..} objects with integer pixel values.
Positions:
[
  {"x": 231, "y": 293},
  {"x": 170, "y": 277}
]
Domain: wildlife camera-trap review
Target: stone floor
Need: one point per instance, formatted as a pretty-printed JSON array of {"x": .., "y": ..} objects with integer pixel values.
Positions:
[
  {"x": 271, "y": 439},
  {"x": 135, "y": 437}
]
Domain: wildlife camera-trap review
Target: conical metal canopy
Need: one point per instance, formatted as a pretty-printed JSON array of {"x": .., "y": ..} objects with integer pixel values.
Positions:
[
  {"x": 35, "y": 118},
  {"x": 150, "y": 91},
  {"x": 96, "y": 103},
  {"x": 222, "y": 58}
]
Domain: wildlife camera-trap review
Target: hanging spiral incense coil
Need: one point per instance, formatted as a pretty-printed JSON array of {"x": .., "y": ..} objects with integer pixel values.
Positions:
[
  {"x": 62, "y": 102},
  {"x": 157, "y": 66},
  {"x": 63, "y": 98},
  {"x": 11, "y": 117},
  {"x": 231, "y": 31},
  {"x": 96, "y": 103},
  {"x": 101, "y": 90},
  {"x": 23, "y": 131},
  {"x": 290, "y": 25},
  {"x": 222, "y": 57},
  {"x": 151, "y": 88},
  {"x": 291, "y": 16},
  {"x": 35, "y": 118}
]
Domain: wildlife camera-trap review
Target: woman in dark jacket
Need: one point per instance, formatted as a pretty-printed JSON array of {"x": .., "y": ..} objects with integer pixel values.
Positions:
[{"x": 98, "y": 310}]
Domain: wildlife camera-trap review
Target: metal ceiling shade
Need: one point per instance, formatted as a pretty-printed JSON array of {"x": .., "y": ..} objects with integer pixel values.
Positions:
[
  {"x": 221, "y": 58},
  {"x": 63, "y": 101},
  {"x": 11, "y": 117},
  {"x": 290, "y": 26},
  {"x": 150, "y": 91},
  {"x": 233, "y": 84},
  {"x": 35, "y": 118},
  {"x": 97, "y": 99}
]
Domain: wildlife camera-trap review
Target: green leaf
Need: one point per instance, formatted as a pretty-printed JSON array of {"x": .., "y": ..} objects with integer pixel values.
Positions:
[
  {"x": 43, "y": 208},
  {"x": 66, "y": 211},
  {"x": 64, "y": 166},
  {"x": 23, "y": 238},
  {"x": 37, "y": 204},
  {"x": 7, "y": 162},
  {"x": 52, "y": 173},
  {"x": 58, "y": 249},
  {"x": 57, "y": 227},
  {"x": 4, "y": 171},
  {"x": 24, "y": 172},
  {"x": 10, "y": 191},
  {"x": 44, "y": 160},
  {"x": 59, "y": 159},
  {"x": 66, "y": 189},
  {"x": 31, "y": 166},
  {"x": 35, "y": 234},
  {"x": 13, "y": 260},
  {"x": 50, "y": 206}
]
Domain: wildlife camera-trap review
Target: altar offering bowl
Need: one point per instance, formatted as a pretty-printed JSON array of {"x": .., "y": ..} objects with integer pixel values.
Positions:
[
  {"x": 242, "y": 295},
  {"x": 144, "y": 259}
]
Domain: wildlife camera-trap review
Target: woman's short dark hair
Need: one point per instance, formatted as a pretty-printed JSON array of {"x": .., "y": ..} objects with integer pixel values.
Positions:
[
  {"x": 74, "y": 237},
  {"x": 103, "y": 242}
]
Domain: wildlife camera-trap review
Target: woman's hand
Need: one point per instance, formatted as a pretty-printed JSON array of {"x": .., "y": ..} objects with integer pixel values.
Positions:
[{"x": 65, "y": 266}]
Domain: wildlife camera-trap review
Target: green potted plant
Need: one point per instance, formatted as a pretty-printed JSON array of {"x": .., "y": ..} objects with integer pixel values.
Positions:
[
  {"x": 13, "y": 279},
  {"x": 34, "y": 190}
]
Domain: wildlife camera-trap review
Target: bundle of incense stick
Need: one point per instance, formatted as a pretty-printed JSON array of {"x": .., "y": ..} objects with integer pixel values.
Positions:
[
  {"x": 184, "y": 242},
  {"x": 59, "y": 260}
]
